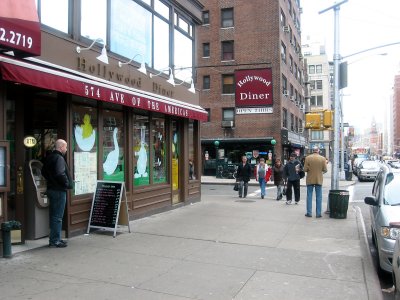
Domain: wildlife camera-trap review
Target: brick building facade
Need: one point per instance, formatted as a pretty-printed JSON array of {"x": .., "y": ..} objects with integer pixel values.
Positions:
[{"x": 250, "y": 36}]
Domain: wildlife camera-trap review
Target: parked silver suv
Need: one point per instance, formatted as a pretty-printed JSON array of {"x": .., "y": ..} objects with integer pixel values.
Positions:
[{"x": 385, "y": 212}]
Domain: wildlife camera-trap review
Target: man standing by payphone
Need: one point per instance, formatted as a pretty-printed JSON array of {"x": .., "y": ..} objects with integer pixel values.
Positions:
[{"x": 56, "y": 172}]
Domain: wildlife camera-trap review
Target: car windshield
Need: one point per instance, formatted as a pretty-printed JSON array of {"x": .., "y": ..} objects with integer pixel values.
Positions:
[
  {"x": 370, "y": 164},
  {"x": 392, "y": 190}
]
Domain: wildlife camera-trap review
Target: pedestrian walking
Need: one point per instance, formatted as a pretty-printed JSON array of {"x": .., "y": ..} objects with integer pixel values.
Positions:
[
  {"x": 56, "y": 172},
  {"x": 277, "y": 177},
  {"x": 315, "y": 166},
  {"x": 243, "y": 176},
  {"x": 263, "y": 174},
  {"x": 292, "y": 177}
]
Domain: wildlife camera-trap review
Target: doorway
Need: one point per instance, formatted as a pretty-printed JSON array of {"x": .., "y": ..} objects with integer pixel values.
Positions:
[
  {"x": 30, "y": 112},
  {"x": 175, "y": 159}
]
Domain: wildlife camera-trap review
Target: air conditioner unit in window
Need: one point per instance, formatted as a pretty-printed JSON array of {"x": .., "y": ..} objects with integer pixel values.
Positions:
[
  {"x": 292, "y": 98},
  {"x": 302, "y": 107},
  {"x": 286, "y": 29},
  {"x": 301, "y": 129},
  {"x": 300, "y": 56},
  {"x": 227, "y": 124},
  {"x": 285, "y": 93}
]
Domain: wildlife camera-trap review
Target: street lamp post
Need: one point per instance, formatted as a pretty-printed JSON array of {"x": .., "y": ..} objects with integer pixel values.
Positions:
[
  {"x": 217, "y": 171},
  {"x": 273, "y": 142}
]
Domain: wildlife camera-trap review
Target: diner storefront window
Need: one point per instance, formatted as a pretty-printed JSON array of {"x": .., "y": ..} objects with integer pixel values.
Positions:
[
  {"x": 88, "y": 18},
  {"x": 141, "y": 150},
  {"x": 55, "y": 14},
  {"x": 160, "y": 169},
  {"x": 84, "y": 148},
  {"x": 113, "y": 146},
  {"x": 129, "y": 37}
]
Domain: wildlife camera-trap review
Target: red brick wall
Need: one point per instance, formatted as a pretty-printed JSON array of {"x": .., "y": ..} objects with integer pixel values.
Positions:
[{"x": 257, "y": 34}]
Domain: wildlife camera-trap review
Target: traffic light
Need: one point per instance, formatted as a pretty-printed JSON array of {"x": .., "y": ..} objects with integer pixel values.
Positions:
[
  {"x": 313, "y": 121},
  {"x": 328, "y": 118}
]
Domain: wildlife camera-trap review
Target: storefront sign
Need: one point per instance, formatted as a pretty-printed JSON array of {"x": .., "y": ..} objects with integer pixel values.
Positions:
[
  {"x": 61, "y": 81},
  {"x": 29, "y": 141},
  {"x": 253, "y": 87},
  {"x": 20, "y": 27},
  {"x": 254, "y": 110}
]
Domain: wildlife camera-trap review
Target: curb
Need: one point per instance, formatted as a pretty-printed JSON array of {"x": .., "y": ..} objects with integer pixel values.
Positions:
[{"x": 372, "y": 282}]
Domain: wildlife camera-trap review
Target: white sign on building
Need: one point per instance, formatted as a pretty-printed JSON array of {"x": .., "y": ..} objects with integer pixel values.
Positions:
[{"x": 254, "y": 110}]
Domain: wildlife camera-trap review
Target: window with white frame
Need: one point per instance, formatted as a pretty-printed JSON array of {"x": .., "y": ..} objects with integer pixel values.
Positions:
[
  {"x": 228, "y": 84},
  {"x": 227, "y": 50},
  {"x": 284, "y": 118},
  {"x": 283, "y": 52},
  {"x": 206, "y": 17},
  {"x": 227, "y": 17}
]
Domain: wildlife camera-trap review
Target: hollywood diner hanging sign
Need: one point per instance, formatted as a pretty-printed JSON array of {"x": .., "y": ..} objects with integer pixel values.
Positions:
[{"x": 253, "y": 88}]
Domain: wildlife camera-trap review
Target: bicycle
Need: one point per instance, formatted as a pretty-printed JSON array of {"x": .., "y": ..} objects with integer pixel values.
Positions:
[{"x": 230, "y": 172}]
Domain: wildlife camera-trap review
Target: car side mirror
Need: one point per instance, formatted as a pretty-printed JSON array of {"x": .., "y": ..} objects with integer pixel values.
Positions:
[{"x": 371, "y": 200}]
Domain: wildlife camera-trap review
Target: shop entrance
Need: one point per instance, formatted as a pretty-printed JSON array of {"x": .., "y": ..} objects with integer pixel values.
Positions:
[
  {"x": 176, "y": 147},
  {"x": 30, "y": 113}
]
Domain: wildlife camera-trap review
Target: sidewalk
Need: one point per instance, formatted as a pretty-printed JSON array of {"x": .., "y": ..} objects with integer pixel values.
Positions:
[{"x": 220, "y": 248}]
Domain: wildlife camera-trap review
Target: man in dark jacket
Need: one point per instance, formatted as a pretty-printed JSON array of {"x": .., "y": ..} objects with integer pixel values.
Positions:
[
  {"x": 55, "y": 170},
  {"x": 243, "y": 176},
  {"x": 291, "y": 175}
]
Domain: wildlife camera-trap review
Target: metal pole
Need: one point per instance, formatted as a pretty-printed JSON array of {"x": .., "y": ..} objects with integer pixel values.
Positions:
[
  {"x": 336, "y": 59},
  {"x": 342, "y": 173}
]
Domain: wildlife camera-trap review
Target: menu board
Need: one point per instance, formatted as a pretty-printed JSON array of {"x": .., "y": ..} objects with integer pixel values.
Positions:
[{"x": 106, "y": 205}]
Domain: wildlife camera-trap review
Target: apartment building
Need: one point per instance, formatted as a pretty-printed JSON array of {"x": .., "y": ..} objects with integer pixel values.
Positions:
[
  {"x": 251, "y": 76},
  {"x": 320, "y": 80}
]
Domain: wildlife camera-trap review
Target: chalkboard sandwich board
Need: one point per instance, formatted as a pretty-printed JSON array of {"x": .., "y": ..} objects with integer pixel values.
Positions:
[{"x": 106, "y": 204}]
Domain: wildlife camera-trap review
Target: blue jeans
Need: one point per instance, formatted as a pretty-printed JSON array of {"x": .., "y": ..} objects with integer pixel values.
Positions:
[
  {"x": 261, "y": 181},
  {"x": 318, "y": 196},
  {"x": 58, "y": 199}
]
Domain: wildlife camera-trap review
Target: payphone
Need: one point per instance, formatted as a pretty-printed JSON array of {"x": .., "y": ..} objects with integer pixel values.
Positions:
[{"x": 36, "y": 202}]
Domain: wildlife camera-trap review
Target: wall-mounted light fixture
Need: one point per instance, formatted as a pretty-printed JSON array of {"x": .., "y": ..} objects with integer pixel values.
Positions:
[
  {"x": 103, "y": 56},
  {"x": 191, "y": 89},
  {"x": 170, "y": 80},
  {"x": 142, "y": 68}
]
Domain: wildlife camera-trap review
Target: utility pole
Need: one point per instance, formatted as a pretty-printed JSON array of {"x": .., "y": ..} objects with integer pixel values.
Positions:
[{"x": 336, "y": 60}]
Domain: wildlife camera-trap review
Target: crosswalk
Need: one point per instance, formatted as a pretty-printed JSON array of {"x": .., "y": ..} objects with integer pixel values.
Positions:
[{"x": 257, "y": 193}]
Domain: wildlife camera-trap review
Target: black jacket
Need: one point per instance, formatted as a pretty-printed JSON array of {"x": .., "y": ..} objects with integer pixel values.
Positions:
[
  {"x": 56, "y": 172},
  {"x": 244, "y": 172},
  {"x": 289, "y": 172}
]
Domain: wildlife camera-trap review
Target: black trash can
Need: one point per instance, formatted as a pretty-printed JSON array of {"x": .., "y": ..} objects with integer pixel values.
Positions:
[
  {"x": 338, "y": 203},
  {"x": 349, "y": 175}
]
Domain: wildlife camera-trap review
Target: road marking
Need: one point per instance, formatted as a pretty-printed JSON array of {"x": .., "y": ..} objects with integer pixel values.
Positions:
[{"x": 357, "y": 201}]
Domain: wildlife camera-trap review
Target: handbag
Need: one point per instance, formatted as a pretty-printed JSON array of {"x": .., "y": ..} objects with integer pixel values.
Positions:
[
  {"x": 236, "y": 186},
  {"x": 302, "y": 174}
]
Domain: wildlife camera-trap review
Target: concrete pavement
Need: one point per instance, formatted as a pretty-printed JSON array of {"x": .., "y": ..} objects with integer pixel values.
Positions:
[{"x": 223, "y": 247}]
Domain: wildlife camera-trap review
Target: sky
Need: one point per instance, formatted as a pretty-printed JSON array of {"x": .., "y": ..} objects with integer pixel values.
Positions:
[{"x": 363, "y": 24}]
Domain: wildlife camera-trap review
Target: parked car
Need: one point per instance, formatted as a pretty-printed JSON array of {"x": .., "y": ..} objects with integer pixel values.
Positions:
[
  {"x": 356, "y": 164},
  {"x": 396, "y": 263},
  {"x": 385, "y": 213},
  {"x": 368, "y": 169}
]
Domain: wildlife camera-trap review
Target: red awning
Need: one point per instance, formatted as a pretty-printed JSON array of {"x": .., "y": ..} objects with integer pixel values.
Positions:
[
  {"x": 19, "y": 27},
  {"x": 61, "y": 81}
]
